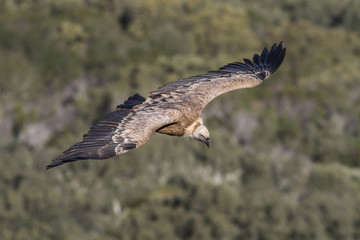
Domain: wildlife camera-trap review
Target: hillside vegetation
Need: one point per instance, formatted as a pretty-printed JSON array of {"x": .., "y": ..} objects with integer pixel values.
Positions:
[{"x": 285, "y": 156}]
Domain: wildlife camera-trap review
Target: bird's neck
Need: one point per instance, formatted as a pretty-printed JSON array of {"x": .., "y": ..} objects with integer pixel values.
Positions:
[{"x": 191, "y": 128}]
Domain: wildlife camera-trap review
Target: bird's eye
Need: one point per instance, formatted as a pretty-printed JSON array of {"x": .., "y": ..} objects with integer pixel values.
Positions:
[{"x": 202, "y": 137}]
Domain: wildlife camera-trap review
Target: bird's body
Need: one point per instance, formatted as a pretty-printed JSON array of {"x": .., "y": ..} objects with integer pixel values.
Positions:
[{"x": 174, "y": 109}]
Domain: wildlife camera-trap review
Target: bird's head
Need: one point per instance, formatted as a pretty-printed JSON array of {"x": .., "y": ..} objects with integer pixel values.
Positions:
[{"x": 201, "y": 133}]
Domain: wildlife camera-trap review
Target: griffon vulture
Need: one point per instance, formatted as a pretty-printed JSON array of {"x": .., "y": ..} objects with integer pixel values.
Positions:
[{"x": 174, "y": 109}]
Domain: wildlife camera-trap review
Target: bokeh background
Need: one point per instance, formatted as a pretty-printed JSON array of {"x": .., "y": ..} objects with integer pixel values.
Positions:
[{"x": 285, "y": 156}]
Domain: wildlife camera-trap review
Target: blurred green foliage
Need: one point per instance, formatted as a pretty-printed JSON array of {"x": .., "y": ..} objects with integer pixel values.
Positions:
[{"x": 285, "y": 156}]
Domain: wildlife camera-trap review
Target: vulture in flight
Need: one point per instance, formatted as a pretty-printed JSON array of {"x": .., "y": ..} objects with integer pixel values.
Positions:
[{"x": 174, "y": 109}]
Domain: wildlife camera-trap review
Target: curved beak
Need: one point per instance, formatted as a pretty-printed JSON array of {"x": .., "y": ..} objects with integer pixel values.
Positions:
[{"x": 207, "y": 142}]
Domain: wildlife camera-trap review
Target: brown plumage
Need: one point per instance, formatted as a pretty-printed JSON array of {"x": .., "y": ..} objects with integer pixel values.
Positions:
[{"x": 173, "y": 109}]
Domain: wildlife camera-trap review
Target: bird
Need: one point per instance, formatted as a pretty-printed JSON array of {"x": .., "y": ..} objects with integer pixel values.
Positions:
[{"x": 174, "y": 109}]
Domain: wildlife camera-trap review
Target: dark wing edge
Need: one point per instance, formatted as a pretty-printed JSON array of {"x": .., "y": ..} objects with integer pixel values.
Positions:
[
  {"x": 131, "y": 102},
  {"x": 98, "y": 142},
  {"x": 262, "y": 66}
]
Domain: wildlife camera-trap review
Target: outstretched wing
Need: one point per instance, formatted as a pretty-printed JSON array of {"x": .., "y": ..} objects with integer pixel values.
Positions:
[
  {"x": 201, "y": 89},
  {"x": 129, "y": 127}
]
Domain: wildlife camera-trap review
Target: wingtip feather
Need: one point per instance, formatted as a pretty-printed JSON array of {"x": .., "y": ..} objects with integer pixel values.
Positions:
[
  {"x": 65, "y": 158},
  {"x": 262, "y": 65},
  {"x": 256, "y": 59},
  {"x": 263, "y": 56},
  {"x": 274, "y": 57},
  {"x": 54, "y": 163}
]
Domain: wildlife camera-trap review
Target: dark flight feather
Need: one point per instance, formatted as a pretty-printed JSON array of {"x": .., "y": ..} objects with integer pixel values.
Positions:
[{"x": 98, "y": 143}]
